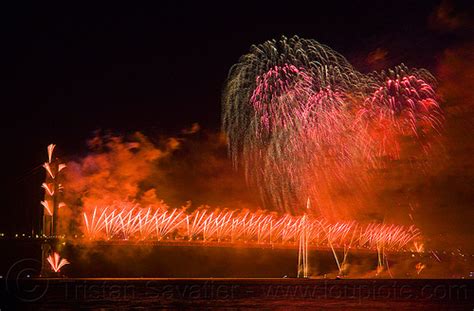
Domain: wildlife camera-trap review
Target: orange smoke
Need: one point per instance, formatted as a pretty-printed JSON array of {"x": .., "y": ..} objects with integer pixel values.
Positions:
[
  {"x": 115, "y": 171},
  {"x": 456, "y": 73},
  {"x": 149, "y": 173}
]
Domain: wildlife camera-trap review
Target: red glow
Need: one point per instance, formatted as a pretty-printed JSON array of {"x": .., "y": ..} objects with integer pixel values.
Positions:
[
  {"x": 56, "y": 262},
  {"x": 130, "y": 222}
]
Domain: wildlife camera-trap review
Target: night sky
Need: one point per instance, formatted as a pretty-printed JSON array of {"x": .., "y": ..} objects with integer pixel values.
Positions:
[{"x": 69, "y": 71}]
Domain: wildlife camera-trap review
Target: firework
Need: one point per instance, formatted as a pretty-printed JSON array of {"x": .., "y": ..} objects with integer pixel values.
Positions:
[
  {"x": 301, "y": 121},
  {"x": 127, "y": 221},
  {"x": 52, "y": 190},
  {"x": 419, "y": 267},
  {"x": 56, "y": 262}
]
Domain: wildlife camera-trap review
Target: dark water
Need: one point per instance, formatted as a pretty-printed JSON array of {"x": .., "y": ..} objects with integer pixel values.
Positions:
[
  {"x": 284, "y": 294},
  {"x": 20, "y": 261}
]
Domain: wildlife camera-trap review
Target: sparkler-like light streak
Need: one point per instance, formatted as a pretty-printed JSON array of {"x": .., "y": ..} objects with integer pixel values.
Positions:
[
  {"x": 56, "y": 262},
  {"x": 435, "y": 255},
  {"x": 419, "y": 267},
  {"x": 53, "y": 189},
  {"x": 300, "y": 120},
  {"x": 47, "y": 167},
  {"x": 303, "y": 261},
  {"x": 48, "y": 188},
  {"x": 341, "y": 231},
  {"x": 47, "y": 208},
  {"x": 127, "y": 221},
  {"x": 419, "y": 247},
  {"x": 50, "y": 152}
]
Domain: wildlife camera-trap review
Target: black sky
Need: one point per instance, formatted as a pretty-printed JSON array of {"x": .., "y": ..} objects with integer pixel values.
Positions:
[{"x": 72, "y": 69}]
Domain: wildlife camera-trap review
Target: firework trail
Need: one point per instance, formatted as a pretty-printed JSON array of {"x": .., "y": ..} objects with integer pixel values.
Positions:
[
  {"x": 56, "y": 262},
  {"x": 419, "y": 267},
  {"x": 53, "y": 189},
  {"x": 300, "y": 120},
  {"x": 127, "y": 221}
]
